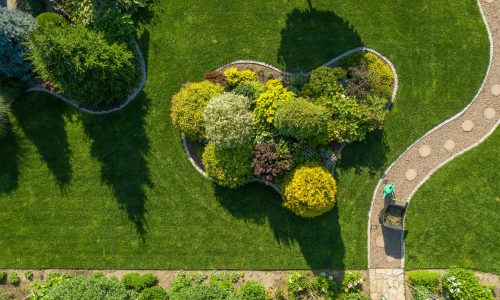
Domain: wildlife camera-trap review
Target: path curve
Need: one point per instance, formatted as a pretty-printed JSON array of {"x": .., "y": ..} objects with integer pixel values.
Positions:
[
  {"x": 130, "y": 97},
  {"x": 440, "y": 145}
]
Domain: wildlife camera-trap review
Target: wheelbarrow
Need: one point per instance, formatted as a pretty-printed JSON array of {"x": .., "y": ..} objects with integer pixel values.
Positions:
[{"x": 391, "y": 216}]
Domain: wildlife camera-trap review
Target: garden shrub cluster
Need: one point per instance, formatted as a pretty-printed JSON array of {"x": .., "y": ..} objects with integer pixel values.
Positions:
[
  {"x": 80, "y": 63},
  {"x": 455, "y": 284},
  {"x": 15, "y": 28},
  {"x": 251, "y": 126},
  {"x": 322, "y": 286}
]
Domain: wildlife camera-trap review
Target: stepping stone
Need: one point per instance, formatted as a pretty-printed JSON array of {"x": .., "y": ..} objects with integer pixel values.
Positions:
[
  {"x": 449, "y": 145},
  {"x": 467, "y": 125},
  {"x": 424, "y": 151},
  {"x": 495, "y": 90},
  {"x": 411, "y": 174},
  {"x": 380, "y": 241},
  {"x": 489, "y": 113}
]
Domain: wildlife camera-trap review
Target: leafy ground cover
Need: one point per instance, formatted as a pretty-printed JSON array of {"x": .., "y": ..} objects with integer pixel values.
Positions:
[
  {"x": 117, "y": 191},
  {"x": 464, "y": 195}
]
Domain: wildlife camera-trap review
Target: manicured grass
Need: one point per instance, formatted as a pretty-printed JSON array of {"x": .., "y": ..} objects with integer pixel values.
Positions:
[
  {"x": 117, "y": 191},
  {"x": 453, "y": 219}
]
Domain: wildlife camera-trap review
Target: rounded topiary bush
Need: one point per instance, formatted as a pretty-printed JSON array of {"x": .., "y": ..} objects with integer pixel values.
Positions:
[
  {"x": 48, "y": 20},
  {"x": 230, "y": 167},
  {"x": 309, "y": 190},
  {"x": 324, "y": 81},
  {"x": 303, "y": 121},
  {"x": 228, "y": 121},
  {"x": 15, "y": 27},
  {"x": 188, "y": 106}
]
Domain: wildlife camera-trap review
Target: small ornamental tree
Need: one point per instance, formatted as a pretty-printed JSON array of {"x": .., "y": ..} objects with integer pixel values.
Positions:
[
  {"x": 188, "y": 106},
  {"x": 303, "y": 121},
  {"x": 267, "y": 103},
  {"x": 15, "y": 27},
  {"x": 81, "y": 64},
  {"x": 228, "y": 121},
  {"x": 324, "y": 81},
  {"x": 230, "y": 167},
  {"x": 235, "y": 76},
  {"x": 309, "y": 190},
  {"x": 271, "y": 160}
]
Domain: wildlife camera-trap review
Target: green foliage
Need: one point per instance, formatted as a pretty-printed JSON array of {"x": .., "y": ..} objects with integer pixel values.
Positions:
[
  {"x": 309, "y": 190},
  {"x": 346, "y": 119},
  {"x": 201, "y": 292},
  {"x": 2, "y": 276},
  {"x": 15, "y": 27},
  {"x": 303, "y": 121},
  {"x": 138, "y": 282},
  {"x": 235, "y": 76},
  {"x": 48, "y": 20},
  {"x": 324, "y": 81},
  {"x": 253, "y": 290},
  {"x": 351, "y": 282},
  {"x": 28, "y": 275},
  {"x": 228, "y": 121},
  {"x": 429, "y": 279},
  {"x": 297, "y": 285},
  {"x": 230, "y": 167},
  {"x": 82, "y": 65},
  {"x": 7, "y": 296},
  {"x": 153, "y": 293},
  {"x": 267, "y": 103},
  {"x": 250, "y": 89},
  {"x": 189, "y": 104},
  {"x": 13, "y": 278},
  {"x": 461, "y": 284},
  {"x": 84, "y": 288}
]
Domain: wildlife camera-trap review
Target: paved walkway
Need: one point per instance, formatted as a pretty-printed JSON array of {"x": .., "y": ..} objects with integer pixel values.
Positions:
[{"x": 440, "y": 145}]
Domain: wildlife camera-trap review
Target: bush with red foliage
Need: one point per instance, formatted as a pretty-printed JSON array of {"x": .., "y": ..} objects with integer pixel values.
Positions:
[
  {"x": 271, "y": 160},
  {"x": 216, "y": 77}
]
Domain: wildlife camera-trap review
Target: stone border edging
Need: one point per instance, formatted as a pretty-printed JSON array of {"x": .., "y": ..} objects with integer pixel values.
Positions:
[
  {"x": 130, "y": 97},
  {"x": 330, "y": 62},
  {"x": 490, "y": 38}
]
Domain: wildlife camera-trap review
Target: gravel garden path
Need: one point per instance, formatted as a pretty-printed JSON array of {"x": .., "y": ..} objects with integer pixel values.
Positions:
[{"x": 446, "y": 141}]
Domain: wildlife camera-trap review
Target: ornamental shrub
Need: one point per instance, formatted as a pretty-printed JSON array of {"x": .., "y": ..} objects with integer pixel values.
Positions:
[
  {"x": 138, "y": 282},
  {"x": 153, "y": 293},
  {"x": 351, "y": 282},
  {"x": 249, "y": 89},
  {"x": 297, "y": 286},
  {"x": 324, "y": 81},
  {"x": 13, "y": 278},
  {"x": 85, "y": 288},
  {"x": 253, "y": 290},
  {"x": 271, "y": 160},
  {"x": 309, "y": 190},
  {"x": 216, "y": 77},
  {"x": 464, "y": 285},
  {"x": 235, "y": 76},
  {"x": 268, "y": 101},
  {"x": 228, "y": 121},
  {"x": 230, "y": 167},
  {"x": 201, "y": 292},
  {"x": 188, "y": 106},
  {"x": 369, "y": 75},
  {"x": 429, "y": 279},
  {"x": 81, "y": 64},
  {"x": 48, "y": 20},
  {"x": 15, "y": 27},
  {"x": 303, "y": 121}
]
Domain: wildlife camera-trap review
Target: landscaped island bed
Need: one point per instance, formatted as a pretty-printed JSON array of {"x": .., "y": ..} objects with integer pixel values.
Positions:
[{"x": 117, "y": 191}]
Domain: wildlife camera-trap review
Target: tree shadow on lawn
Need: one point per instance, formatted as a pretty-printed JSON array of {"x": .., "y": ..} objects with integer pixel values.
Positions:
[
  {"x": 371, "y": 154},
  {"x": 313, "y": 37},
  {"x": 120, "y": 143},
  {"x": 41, "y": 118},
  {"x": 10, "y": 157},
  {"x": 319, "y": 238}
]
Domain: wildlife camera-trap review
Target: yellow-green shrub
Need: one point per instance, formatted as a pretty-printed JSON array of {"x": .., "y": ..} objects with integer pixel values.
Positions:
[
  {"x": 266, "y": 104},
  {"x": 235, "y": 76},
  {"x": 309, "y": 190},
  {"x": 230, "y": 167},
  {"x": 188, "y": 105}
]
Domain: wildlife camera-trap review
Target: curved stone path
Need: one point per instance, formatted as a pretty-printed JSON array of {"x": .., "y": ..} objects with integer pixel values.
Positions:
[{"x": 451, "y": 138}]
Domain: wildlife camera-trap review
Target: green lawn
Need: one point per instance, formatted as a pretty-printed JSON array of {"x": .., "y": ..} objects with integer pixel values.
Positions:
[
  {"x": 453, "y": 219},
  {"x": 117, "y": 191}
]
